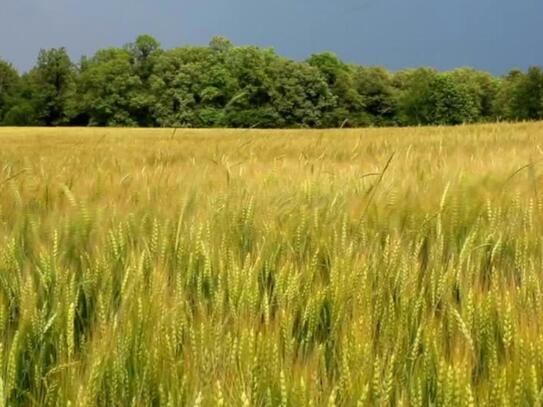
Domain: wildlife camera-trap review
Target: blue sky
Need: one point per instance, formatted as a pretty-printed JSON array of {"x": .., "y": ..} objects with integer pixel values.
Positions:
[{"x": 493, "y": 35}]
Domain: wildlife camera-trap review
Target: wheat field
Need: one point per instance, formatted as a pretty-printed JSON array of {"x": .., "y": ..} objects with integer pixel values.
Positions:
[{"x": 378, "y": 267}]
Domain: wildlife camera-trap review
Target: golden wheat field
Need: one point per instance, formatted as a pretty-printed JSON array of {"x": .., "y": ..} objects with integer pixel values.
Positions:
[{"x": 378, "y": 267}]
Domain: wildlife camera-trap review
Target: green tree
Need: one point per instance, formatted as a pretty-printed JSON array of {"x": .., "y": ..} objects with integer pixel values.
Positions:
[
  {"x": 339, "y": 77},
  {"x": 531, "y": 93},
  {"x": 143, "y": 48},
  {"x": 230, "y": 86},
  {"x": 188, "y": 85},
  {"x": 504, "y": 102},
  {"x": 451, "y": 101},
  {"x": 300, "y": 95},
  {"x": 50, "y": 87},
  {"x": 375, "y": 86},
  {"x": 144, "y": 52},
  {"x": 414, "y": 88},
  {"x": 220, "y": 44},
  {"x": 525, "y": 95},
  {"x": 251, "y": 105},
  {"x": 483, "y": 89},
  {"x": 9, "y": 86},
  {"x": 428, "y": 97},
  {"x": 111, "y": 92}
]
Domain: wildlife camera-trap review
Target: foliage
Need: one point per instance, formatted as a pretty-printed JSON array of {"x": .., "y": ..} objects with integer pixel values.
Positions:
[
  {"x": 51, "y": 84},
  {"x": 9, "y": 83},
  {"x": 527, "y": 95},
  {"x": 223, "y": 85},
  {"x": 339, "y": 78},
  {"x": 414, "y": 93},
  {"x": 111, "y": 92},
  {"x": 482, "y": 89},
  {"x": 375, "y": 85},
  {"x": 451, "y": 101}
]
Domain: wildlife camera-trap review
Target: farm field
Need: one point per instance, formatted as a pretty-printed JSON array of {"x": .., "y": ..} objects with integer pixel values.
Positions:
[{"x": 380, "y": 267}]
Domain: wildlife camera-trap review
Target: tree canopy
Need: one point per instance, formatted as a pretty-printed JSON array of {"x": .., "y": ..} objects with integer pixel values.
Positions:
[{"x": 223, "y": 85}]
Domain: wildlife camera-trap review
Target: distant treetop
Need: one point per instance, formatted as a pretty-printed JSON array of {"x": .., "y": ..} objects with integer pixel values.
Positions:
[{"x": 223, "y": 85}]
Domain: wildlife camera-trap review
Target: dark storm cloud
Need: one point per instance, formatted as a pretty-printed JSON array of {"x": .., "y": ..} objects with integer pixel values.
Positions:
[{"x": 495, "y": 35}]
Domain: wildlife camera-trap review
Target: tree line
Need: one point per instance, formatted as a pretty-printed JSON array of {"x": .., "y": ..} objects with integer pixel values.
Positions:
[{"x": 222, "y": 85}]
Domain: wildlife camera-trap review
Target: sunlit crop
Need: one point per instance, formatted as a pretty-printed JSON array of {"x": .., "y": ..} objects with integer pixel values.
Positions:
[{"x": 272, "y": 268}]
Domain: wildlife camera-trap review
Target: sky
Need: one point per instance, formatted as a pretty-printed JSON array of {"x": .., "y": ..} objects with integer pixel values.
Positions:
[{"x": 492, "y": 35}]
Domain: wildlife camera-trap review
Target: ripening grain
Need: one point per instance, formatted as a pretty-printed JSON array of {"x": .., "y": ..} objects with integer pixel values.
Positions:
[{"x": 271, "y": 268}]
